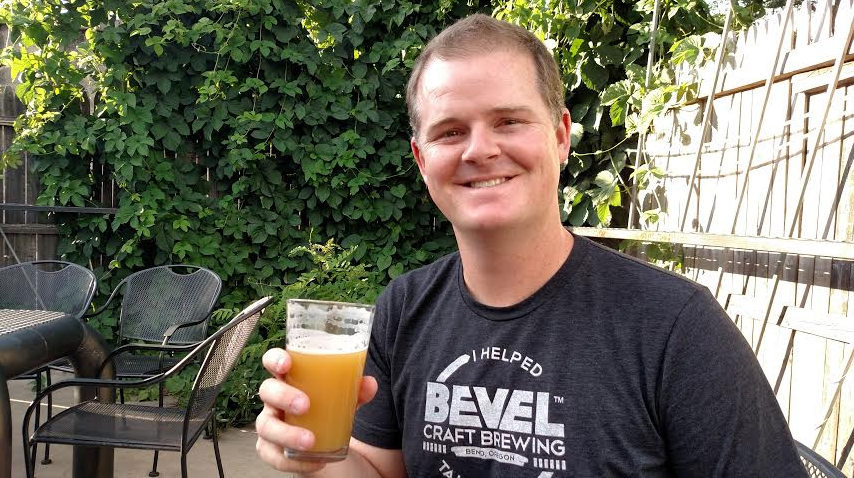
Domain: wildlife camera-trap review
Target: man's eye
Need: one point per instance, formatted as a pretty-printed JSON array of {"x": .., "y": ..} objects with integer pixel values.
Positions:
[
  {"x": 450, "y": 133},
  {"x": 510, "y": 121}
]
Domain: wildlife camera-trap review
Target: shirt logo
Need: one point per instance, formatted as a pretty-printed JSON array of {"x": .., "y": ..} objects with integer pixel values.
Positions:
[{"x": 505, "y": 425}]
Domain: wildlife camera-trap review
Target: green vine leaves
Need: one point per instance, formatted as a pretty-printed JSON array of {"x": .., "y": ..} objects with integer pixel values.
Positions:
[
  {"x": 254, "y": 120},
  {"x": 602, "y": 49}
]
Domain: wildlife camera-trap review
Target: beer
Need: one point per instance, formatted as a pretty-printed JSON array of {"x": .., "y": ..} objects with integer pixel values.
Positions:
[
  {"x": 328, "y": 343},
  {"x": 329, "y": 370}
]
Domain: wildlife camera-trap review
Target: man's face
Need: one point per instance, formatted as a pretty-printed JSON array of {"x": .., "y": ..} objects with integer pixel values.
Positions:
[{"x": 487, "y": 146}]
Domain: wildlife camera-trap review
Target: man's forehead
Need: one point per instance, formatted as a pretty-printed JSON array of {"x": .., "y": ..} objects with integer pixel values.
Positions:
[{"x": 442, "y": 71}]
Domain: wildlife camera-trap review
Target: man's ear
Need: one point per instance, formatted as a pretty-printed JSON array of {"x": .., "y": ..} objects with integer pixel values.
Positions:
[
  {"x": 563, "y": 134},
  {"x": 416, "y": 151}
]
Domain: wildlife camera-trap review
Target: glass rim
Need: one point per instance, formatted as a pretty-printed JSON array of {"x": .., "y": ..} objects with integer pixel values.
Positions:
[{"x": 331, "y": 302}]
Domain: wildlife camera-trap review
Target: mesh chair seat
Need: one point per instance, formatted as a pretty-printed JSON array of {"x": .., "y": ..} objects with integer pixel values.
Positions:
[{"x": 128, "y": 426}]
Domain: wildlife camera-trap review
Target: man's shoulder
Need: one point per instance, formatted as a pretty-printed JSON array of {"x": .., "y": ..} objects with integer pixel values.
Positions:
[{"x": 628, "y": 273}]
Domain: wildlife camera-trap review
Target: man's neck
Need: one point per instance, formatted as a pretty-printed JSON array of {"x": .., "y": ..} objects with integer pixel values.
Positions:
[{"x": 504, "y": 269}]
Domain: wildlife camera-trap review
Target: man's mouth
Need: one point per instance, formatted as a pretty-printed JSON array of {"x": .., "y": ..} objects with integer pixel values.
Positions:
[{"x": 488, "y": 184}]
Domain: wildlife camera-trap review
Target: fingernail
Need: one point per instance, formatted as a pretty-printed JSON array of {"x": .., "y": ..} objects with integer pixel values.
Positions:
[
  {"x": 280, "y": 363},
  {"x": 298, "y": 405},
  {"x": 305, "y": 441}
]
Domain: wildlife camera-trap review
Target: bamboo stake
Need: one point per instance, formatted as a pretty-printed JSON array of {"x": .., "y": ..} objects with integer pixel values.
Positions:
[{"x": 707, "y": 113}]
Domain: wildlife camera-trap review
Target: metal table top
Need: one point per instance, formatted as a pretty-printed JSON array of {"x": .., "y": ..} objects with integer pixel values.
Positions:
[{"x": 13, "y": 320}]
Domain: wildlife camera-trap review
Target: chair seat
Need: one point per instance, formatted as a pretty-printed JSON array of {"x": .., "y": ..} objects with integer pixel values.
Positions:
[
  {"x": 124, "y": 426},
  {"x": 127, "y": 365}
]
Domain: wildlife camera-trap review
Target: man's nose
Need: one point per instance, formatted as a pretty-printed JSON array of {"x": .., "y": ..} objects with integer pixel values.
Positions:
[{"x": 482, "y": 146}]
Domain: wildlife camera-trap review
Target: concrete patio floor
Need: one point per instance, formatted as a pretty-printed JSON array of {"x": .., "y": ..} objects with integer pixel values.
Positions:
[{"x": 237, "y": 447}]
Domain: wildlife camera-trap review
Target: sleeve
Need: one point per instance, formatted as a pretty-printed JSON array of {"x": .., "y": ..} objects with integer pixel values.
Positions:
[
  {"x": 376, "y": 422},
  {"x": 718, "y": 412}
]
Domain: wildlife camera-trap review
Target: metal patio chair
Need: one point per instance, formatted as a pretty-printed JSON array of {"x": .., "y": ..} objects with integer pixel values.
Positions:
[
  {"x": 116, "y": 425},
  {"x": 816, "y": 465},
  {"x": 57, "y": 286},
  {"x": 164, "y": 305}
]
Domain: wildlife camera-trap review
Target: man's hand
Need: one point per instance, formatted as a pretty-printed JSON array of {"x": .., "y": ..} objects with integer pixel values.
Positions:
[{"x": 280, "y": 399}]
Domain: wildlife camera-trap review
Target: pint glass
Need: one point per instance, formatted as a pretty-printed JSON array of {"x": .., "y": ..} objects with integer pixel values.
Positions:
[{"x": 327, "y": 342}]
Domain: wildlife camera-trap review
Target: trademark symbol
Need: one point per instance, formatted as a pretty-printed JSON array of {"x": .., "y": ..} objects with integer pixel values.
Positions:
[{"x": 558, "y": 399}]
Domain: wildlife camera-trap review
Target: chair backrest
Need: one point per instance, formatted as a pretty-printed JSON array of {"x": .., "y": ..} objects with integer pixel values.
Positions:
[
  {"x": 155, "y": 299},
  {"x": 225, "y": 347},
  {"x": 47, "y": 285},
  {"x": 816, "y": 465}
]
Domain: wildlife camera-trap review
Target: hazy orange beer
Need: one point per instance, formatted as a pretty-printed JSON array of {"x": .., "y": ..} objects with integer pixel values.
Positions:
[{"x": 328, "y": 342}]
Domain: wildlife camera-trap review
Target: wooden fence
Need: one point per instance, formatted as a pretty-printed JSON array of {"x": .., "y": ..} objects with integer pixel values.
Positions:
[
  {"x": 32, "y": 234},
  {"x": 761, "y": 205}
]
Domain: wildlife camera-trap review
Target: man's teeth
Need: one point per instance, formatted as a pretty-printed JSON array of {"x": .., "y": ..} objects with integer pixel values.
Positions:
[{"x": 488, "y": 184}]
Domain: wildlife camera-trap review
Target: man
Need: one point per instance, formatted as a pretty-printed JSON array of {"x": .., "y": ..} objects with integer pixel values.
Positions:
[{"x": 531, "y": 352}]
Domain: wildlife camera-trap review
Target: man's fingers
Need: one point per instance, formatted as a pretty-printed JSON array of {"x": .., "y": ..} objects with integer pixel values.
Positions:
[
  {"x": 278, "y": 394},
  {"x": 274, "y": 456},
  {"x": 367, "y": 390},
  {"x": 272, "y": 429},
  {"x": 277, "y": 362}
]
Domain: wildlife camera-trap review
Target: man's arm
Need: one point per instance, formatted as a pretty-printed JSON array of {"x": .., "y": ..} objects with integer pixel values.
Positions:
[
  {"x": 365, "y": 461},
  {"x": 719, "y": 414}
]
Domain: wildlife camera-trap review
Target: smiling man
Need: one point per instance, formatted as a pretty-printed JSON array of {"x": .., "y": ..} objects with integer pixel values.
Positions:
[{"x": 531, "y": 352}]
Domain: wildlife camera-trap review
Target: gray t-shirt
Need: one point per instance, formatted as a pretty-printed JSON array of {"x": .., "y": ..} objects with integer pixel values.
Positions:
[{"x": 613, "y": 368}]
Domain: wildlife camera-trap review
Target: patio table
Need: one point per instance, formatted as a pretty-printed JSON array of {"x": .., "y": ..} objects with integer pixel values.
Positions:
[{"x": 32, "y": 338}]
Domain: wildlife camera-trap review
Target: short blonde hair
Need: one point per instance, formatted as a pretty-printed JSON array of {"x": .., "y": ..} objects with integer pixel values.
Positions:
[{"x": 480, "y": 34}]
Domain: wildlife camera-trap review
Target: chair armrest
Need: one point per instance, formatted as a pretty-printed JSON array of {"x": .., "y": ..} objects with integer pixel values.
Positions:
[
  {"x": 153, "y": 347},
  {"x": 148, "y": 347},
  {"x": 106, "y": 304},
  {"x": 167, "y": 336}
]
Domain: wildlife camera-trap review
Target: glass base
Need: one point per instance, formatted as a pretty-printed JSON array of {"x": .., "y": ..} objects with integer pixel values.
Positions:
[{"x": 317, "y": 456}]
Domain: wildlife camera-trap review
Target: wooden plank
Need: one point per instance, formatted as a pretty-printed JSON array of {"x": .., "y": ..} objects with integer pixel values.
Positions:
[
  {"x": 845, "y": 436},
  {"x": 828, "y": 354},
  {"x": 839, "y": 285},
  {"x": 47, "y": 244},
  {"x": 818, "y": 209},
  {"x": 689, "y": 258},
  {"x": 843, "y": 250},
  {"x": 844, "y": 458},
  {"x": 779, "y": 188},
  {"x": 745, "y": 306},
  {"x": 712, "y": 165},
  {"x": 74, "y": 209},
  {"x": 28, "y": 229},
  {"x": 820, "y": 21},
  {"x": 844, "y": 229},
  {"x": 809, "y": 213},
  {"x": 769, "y": 180},
  {"x": 802, "y": 59},
  {"x": 726, "y": 190},
  {"x": 837, "y": 327},
  {"x": 806, "y": 397}
]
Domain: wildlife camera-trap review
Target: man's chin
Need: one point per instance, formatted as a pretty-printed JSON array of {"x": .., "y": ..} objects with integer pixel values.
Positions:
[{"x": 484, "y": 225}]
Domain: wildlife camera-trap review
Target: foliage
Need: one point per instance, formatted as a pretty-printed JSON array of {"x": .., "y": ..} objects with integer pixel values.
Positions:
[
  {"x": 602, "y": 49},
  {"x": 230, "y": 129}
]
